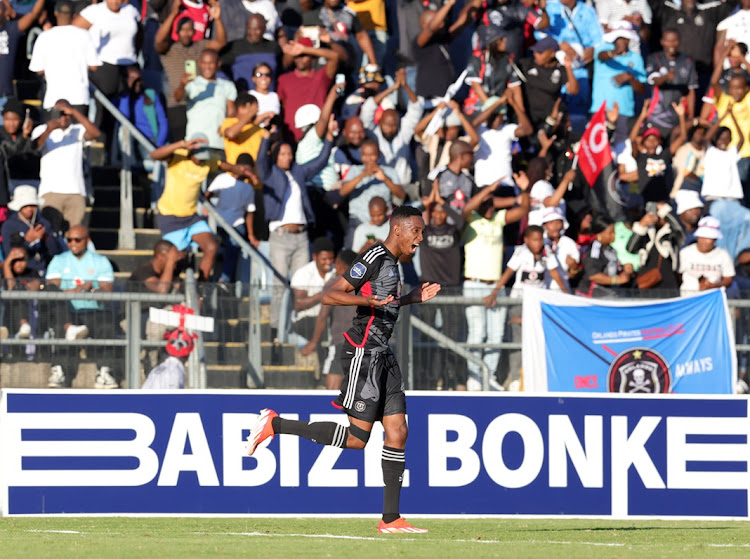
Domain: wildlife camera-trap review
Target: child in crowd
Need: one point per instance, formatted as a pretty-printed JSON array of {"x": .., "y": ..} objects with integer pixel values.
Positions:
[
  {"x": 367, "y": 234},
  {"x": 703, "y": 265},
  {"x": 721, "y": 177},
  {"x": 560, "y": 245}
]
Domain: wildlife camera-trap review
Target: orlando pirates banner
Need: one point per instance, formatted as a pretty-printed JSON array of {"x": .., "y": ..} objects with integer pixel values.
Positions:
[{"x": 575, "y": 344}]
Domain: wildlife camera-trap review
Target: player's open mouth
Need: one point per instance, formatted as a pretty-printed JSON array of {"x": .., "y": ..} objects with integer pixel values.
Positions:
[{"x": 414, "y": 247}]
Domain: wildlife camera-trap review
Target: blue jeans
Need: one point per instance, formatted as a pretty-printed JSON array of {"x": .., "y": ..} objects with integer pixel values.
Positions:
[{"x": 231, "y": 252}]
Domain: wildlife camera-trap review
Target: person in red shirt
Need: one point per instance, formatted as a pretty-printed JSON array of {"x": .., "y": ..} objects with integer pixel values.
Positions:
[{"x": 304, "y": 84}]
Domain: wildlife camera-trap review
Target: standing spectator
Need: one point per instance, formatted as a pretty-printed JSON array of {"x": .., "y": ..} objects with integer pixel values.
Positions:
[
  {"x": 543, "y": 80},
  {"x": 435, "y": 72},
  {"x": 672, "y": 76},
  {"x": 512, "y": 16},
  {"x": 304, "y": 84},
  {"x": 689, "y": 210},
  {"x": 721, "y": 178},
  {"x": 19, "y": 159},
  {"x": 575, "y": 26},
  {"x": 115, "y": 28},
  {"x": 657, "y": 239},
  {"x": 490, "y": 71},
  {"x": 10, "y": 34},
  {"x": 452, "y": 184},
  {"x": 307, "y": 285},
  {"x": 64, "y": 55},
  {"x": 619, "y": 75},
  {"x": 174, "y": 55},
  {"x": 75, "y": 271},
  {"x": 287, "y": 208},
  {"x": 234, "y": 198},
  {"x": 243, "y": 55},
  {"x": 372, "y": 16},
  {"x": 267, "y": 10},
  {"x": 636, "y": 12},
  {"x": 542, "y": 194},
  {"x": 703, "y": 265},
  {"x": 268, "y": 101},
  {"x": 563, "y": 247},
  {"x": 601, "y": 268},
  {"x": 210, "y": 100},
  {"x": 61, "y": 172},
  {"x": 688, "y": 161},
  {"x": 375, "y": 230},
  {"x": 349, "y": 152},
  {"x": 241, "y": 133},
  {"x": 28, "y": 229},
  {"x": 483, "y": 264},
  {"x": 735, "y": 28}
]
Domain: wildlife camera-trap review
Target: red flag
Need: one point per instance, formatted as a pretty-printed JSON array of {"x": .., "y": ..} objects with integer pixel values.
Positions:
[{"x": 594, "y": 152}]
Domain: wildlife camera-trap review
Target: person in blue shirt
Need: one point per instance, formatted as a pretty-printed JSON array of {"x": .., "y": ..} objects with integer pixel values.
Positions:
[
  {"x": 575, "y": 26},
  {"x": 80, "y": 270},
  {"x": 618, "y": 75}
]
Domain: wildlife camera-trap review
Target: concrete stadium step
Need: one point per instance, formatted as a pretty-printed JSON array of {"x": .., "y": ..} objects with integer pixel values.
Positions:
[
  {"x": 290, "y": 376},
  {"x": 226, "y": 376},
  {"x": 126, "y": 260},
  {"x": 236, "y": 353},
  {"x": 107, "y": 237},
  {"x": 109, "y": 196},
  {"x": 106, "y": 217}
]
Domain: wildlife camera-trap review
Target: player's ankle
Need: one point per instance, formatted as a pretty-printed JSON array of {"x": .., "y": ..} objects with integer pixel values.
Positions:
[
  {"x": 388, "y": 518},
  {"x": 275, "y": 424}
]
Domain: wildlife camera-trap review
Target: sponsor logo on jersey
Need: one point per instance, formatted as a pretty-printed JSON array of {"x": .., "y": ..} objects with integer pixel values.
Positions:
[{"x": 358, "y": 270}]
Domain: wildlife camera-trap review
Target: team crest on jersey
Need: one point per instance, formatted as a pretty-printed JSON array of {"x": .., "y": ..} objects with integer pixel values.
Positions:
[
  {"x": 359, "y": 406},
  {"x": 639, "y": 370},
  {"x": 358, "y": 270}
]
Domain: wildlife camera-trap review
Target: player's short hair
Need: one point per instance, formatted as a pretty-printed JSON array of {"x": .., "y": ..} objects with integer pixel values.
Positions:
[
  {"x": 322, "y": 244},
  {"x": 347, "y": 257},
  {"x": 377, "y": 201},
  {"x": 533, "y": 229},
  {"x": 459, "y": 147},
  {"x": 402, "y": 213},
  {"x": 245, "y": 159},
  {"x": 600, "y": 223},
  {"x": 245, "y": 98},
  {"x": 370, "y": 142}
]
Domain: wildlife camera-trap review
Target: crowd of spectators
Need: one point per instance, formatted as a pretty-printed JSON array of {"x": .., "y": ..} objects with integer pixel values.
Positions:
[{"x": 308, "y": 121}]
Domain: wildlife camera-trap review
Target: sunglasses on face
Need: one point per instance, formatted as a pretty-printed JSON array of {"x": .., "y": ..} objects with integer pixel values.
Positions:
[
  {"x": 75, "y": 239},
  {"x": 262, "y": 75}
]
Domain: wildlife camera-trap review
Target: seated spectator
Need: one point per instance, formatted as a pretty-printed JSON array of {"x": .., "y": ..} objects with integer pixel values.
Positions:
[
  {"x": 435, "y": 72},
  {"x": 241, "y": 133},
  {"x": 175, "y": 53},
  {"x": 436, "y": 147},
  {"x": 494, "y": 157},
  {"x": 563, "y": 247},
  {"x": 61, "y": 168},
  {"x": 542, "y": 194},
  {"x": 601, "y": 268},
  {"x": 26, "y": 228},
  {"x": 210, "y": 100},
  {"x": 483, "y": 263},
  {"x": 20, "y": 161},
  {"x": 490, "y": 70},
  {"x": 188, "y": 165},
  {"x": 373, "y": 231},
  {"x": 721, "y": 177},
  {"x": 636, "y": 13},
  {"x": 672, "y": 76},
  {"x": 75, "y": 271},
  {"x": 532, "y": 266},
  {"x": 339, "y": 26},
  {"x": 703, "y": 265},
  {"x": 242, "y": 56},
  {"x": 348, "y": 153},
  {"x": 307, "y": 284},
  {"x": 542, "y": 80},
  {"x": 393, "y": 133},
  {"x": 689, "y": 160},
  {"x": 657, "y": 239},
  {"x": 304, "y": 84},
  {"x": 234, "y": 198},
  {"x": 269, "y": 105},
  {"x": 365, "y": 182},
  {"x": 654, "y": 162},
  {"x": 18, "y": 276},
  {"x": 689, "y": 210},
  {"x": 64, "y": 55},
  {"x": 13, "y": 30}
]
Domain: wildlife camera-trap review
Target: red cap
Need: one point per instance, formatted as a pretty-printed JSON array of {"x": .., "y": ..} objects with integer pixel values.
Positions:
[
  {"x": 179, "y": 343},
  {"x": 651, "y": 132},
  {"x": 305, "y": 42}
]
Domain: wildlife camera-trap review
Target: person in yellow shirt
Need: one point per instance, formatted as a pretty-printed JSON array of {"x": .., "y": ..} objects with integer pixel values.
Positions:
[
  {"x": 737, "y": 97},
  {"x": 371, "y": 14},
  {"x": 242, "y": 133},
  {"x": 188, "y": 164}
]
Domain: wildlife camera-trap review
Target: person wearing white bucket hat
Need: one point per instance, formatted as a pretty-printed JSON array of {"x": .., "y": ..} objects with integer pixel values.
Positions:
[
  {"x": 26, "y": 227},
  {"x": 689, "y": 210},
  {"x": 563, "y": 247},
  {"x": 703, "y": 265}
]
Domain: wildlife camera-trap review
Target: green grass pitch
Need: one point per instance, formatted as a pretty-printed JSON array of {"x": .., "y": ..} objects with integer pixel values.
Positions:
[{"x": 266, "y": 538}]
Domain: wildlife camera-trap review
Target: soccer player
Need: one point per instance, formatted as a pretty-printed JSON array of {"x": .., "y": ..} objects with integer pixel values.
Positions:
[{"x": 373, "y": 387}]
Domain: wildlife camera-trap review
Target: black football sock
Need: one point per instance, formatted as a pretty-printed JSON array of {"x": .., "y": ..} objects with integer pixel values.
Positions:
[
  {"x": 394, "y": 463},
  {"x": 321, "y": 432}
]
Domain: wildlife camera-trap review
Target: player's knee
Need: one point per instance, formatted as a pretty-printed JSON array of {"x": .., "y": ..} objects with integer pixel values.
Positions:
[
  {"x": 358, "y": 437},
  {"x": 396, "y": 435}
]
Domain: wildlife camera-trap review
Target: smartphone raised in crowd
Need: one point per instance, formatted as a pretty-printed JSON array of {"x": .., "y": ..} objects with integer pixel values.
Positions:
[{"x": 191, "y": 68}]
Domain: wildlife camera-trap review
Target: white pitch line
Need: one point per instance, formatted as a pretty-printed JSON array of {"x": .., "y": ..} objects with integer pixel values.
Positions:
[{"x": 57, "y": 531}]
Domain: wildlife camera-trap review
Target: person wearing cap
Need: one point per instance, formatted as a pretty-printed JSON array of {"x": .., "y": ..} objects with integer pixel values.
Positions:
[
  {"x": 490, "y": 71},
  {"x": 689, "y": 210},
  {"x": 11, "y": 31},
  {"x": 370, "y": 82},
  {"x": 703, "y": 265},
  {"x": 654, "y": 161},
  {"x": 170, "y": 373},
  {"x": 61, "y": 141},
  {"x": 436, "y": 147},
  {"x": 188, "y": 164},
  {"x": 657, "y": 239},
  {"x": 210, "y": 99},
  {"x": 619, "y": 74},
  {"x": 435, "y": 72},
  {"x": 19, "y": 159},
  {"x": 173, "y": 54},
  {"x": 637, "y": 13},
  {"x": 513, "y": 16},
  {"x": 64, "y": 55},
  {"x": 241, "y": 57},
  {"x": 313, "y": 121},
  {"x": 26, "y": 227},
  {"x": 544, "y": 78},
  {"x": 560, "y": 245}
]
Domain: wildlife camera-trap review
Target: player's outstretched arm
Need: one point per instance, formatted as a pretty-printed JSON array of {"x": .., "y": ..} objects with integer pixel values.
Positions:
[
  {"x": 421, "y": 293},
  {"x": 340, "y": 293}
]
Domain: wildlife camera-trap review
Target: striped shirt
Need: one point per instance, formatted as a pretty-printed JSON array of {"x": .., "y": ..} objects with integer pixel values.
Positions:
[{"x": 173, "y": 62}]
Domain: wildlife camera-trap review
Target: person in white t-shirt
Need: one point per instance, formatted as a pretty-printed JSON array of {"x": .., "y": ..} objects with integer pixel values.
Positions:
[
  {"x": 269, "y": 105},
  {"x": 64, "y": 55},
  {"x": 234, "y": 198},
  {"x": 533, "y": 266},
  {"x": 61, "y": 168},
  {"x": 307, "y": 285},
  {"x": 735, "y": 28},
  {"x": 721, "y": 176},
  {"x": 267, "y": 9},
  {"x": 492, "y": 160},
  {"x": 367, "y": 234},
  {"x": 543, "y": 195},
  {"x": 703, "y": 265},
  {"x": 563, "y": 247}
]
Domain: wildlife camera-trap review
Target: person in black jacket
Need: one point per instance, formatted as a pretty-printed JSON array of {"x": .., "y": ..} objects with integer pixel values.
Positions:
[{"x": 19, "y": 158}]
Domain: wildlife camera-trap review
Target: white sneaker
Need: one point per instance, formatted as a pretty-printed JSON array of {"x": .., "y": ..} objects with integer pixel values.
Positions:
[
  {"x": 76, "y": 332},
  {"x": 24, "y": 332},
  {"x": 105, "y": 379},
  {"x": 473, "y": 384},
  {"x": 515, "y": 386},
  {"x": 496, "y": 386},
  {"x": 57, "y": 378}
]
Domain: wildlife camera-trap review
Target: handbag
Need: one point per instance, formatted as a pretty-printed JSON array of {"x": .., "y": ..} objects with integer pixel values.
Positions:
[{"x": 651, "y": 277}]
